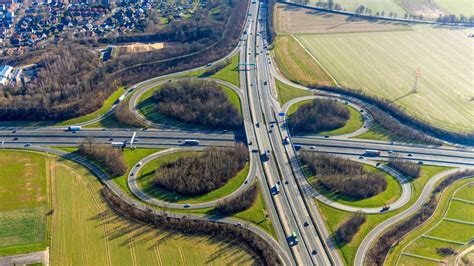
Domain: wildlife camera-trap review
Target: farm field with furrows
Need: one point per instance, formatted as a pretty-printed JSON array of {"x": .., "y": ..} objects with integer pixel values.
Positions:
[
  {"x": 447, "y": 233},
  {"x": 458, "y": 7},
  {"x": 86, "y": 232},
  {"x": 384, "y": 64}
]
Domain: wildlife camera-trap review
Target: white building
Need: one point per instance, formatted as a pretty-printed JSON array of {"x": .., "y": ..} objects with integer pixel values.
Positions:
[{"x": 5, "y": 73}]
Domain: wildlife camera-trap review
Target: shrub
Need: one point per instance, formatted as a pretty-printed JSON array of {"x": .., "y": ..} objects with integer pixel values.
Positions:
[
  {"x": 110, "y": 158},
  {"x": 239, "y": 203},
  {"x": 349, "y": 228},
  {"x": 445, "y": 251},
  {"x": 319, "y": 115},
  {"x": 343, "y": 176},
  {"x": 197, "y": 102},
  {"x": 406, "y": 167},
  {"x": 201, "y": 173}
]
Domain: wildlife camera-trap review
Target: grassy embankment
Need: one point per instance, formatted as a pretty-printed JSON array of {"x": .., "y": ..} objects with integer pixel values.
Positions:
[{"x": 335, "y": 217}]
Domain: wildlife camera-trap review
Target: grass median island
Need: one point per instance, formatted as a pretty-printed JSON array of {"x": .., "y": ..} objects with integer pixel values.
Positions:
[
  {"x": 24, "y": 211},
  {"x": 193, "y": 177},
  {"x": 192, "y": 103},
  {"x": 287, "y": 92},
  {"x": 324, "y": 117},
  {"x": 345, "y": 181},
  {"x": 334, "y": 217},
  {"x": 230, "y": 72}
]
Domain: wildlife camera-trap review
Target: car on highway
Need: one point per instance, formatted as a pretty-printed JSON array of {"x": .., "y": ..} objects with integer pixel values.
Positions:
[
  {"x": 187, "y": 205},
  {"x": 306, "y": 223},
  {"x": 257, "y": 124},
  {"x": 297, "y": 147},
  {"x": 15, "y": 138},
  {"x": 312, "y": 148},
  {"x": 420, "y": 162},
  {"x": 27, "y": 144},
  {"x": 410, "y": 155},
  {"x": 385, "y": 208},
  {"x": 139, "y": 164},
  {"x": 292, "y": 239}
]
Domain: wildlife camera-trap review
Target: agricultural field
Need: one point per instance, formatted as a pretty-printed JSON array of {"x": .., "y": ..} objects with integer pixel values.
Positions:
[
  {"x": 452, "y": 226},
  {"x": 385, "y": 64},
  {"x": 385, "y": 6},
  {"x": 86, "y": 232},
  {"x": 296, "y": 63},
  {"x": 334, "y": 217},
  {"x": 25, "y": 205},
  {"x": 458, "y": 7}
]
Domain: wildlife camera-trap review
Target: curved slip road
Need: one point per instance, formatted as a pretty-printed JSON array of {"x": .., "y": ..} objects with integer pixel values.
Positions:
[
  {"x": 137, "y": 191},
  {"x": 104, "y": 179},
  {"x": 380, "y": 228}
]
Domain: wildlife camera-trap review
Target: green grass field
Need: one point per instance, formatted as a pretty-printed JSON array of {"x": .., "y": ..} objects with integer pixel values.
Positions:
[
  {"x": 146, "y": 181},
  {"x": 391, "y": 194},
  {"x": 230, "y": 73},
  {"x": 335, "y": 217},
  {"x": 354, "y": 122},
  {"x": 24, "y": 202},
  {"x": 146, "y": 107},
  {"x": 457, "y": 7},
  {"x": 384, "y": 64},
  {"x": 287, "y": 92},
  {"x": 375, "y": 5},
  {"x": 87, "y": 232},
  {"x": 437, "y": 232}
]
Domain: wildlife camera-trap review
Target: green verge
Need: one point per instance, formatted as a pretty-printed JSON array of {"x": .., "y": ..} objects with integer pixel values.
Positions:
[
  {"x": 355, "y": 121},
  {"x": 146, "y": 107},
  {"x": 24, "y": 187},
  {"x": 145, "y": 180},
  {"x": 334, "y": 217},
  {"x": 445, "y": 229},
  {"x": 391, "y": 194},
  {"x": 230, "y": 73},
  {"x": 287, "y": 92}
]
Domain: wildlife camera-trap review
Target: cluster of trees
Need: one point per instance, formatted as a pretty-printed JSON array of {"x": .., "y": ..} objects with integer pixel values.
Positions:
[
  {"x": 264, "y": 253},
  {"x": 343, "y": 176},
  {"x": 378, "y": 252},
  {"x": 239, "y": 203},
  {"x": 395, "y": 120},
  {"x": 454, "y": 19},
  {"x": 68, "y": 84},
  {"x": 201, "y": 173},
  {"x": 110, "y": 158},
  {"x": 349, "y": 228},
  {"x": 123, "y": 114},
  {"x": 270, "y": 27},
  {"x": 197, "y": 102},
  {"x": 406, "y": 167},
  {"x": 319, "y": 115},
  {"x": 72, "y": 81}
]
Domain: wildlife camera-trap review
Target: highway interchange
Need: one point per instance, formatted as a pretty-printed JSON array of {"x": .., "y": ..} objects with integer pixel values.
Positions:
[{"x": 294, "y": 208}]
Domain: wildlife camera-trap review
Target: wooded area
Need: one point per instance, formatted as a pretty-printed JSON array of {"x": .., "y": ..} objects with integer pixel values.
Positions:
[
  {"x": 197, "y": 102},
  {"x": 343, "y": 176},
  {"x": 72, "y": 81},
  {"x": 319, "y": 115},
  {"x": 202, "y": 173},
  {"x": 240, "y": 203}
]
